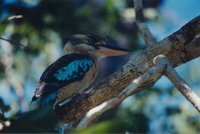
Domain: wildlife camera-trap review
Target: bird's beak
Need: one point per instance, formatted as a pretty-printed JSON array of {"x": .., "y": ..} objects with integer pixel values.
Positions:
[{"x": 112, "y": 51}]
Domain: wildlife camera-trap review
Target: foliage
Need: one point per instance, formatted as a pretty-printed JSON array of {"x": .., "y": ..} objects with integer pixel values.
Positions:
[{"x": 42, "y": 120}]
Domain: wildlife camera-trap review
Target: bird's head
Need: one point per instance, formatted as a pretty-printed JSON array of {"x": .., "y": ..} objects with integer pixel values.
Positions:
[{"x": 92, "y": 44}]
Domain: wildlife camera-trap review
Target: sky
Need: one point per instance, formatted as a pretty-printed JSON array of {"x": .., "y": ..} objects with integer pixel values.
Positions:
[{"x": 175, "y": 13}]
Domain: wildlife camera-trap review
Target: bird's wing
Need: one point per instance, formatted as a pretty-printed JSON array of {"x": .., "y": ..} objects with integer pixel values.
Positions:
[{"x": 67, "y": 69}]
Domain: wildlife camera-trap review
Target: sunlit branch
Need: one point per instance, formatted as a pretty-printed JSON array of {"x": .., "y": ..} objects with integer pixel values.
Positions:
[{"x": 183, "y": 86}]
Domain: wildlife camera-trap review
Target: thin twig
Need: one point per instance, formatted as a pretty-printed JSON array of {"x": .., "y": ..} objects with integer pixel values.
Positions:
[
  {"x": 147, "y": 35},
  {"x": 13, "y": 42},
  {"x": 153, "y": 73}
]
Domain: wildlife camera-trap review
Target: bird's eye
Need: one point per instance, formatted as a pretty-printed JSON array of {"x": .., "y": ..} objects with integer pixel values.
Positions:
[{"x": 91, "y": 40}]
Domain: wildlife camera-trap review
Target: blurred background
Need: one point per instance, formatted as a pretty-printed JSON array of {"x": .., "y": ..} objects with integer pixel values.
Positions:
[{"x": 43, "y": 27}]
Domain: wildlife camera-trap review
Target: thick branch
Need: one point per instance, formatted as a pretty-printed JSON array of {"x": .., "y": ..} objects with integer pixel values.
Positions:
[
  {"x": 176, "y": 47},
  {"x": 154, "y": 73},
  {"x": 144, "y": 30}
]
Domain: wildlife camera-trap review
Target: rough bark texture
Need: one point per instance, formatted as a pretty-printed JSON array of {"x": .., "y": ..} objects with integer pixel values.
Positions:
[
  {"x": 154, "y": 73},
  {"x": 178, "y": 47}
]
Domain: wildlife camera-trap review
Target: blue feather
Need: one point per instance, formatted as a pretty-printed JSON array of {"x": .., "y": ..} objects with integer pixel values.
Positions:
[
  {"x": 48, "y": 99},
  {"x": 73, "y": 70}
]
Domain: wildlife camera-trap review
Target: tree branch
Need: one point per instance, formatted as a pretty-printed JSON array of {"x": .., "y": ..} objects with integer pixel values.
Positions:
[
  {"x": 13, "y": 42},
  {"x": 154, "y": 73},
  {"x": 148, "y": 37},
  {"x": 176, "y": 47},
  {"x": 182, "y": 85}
]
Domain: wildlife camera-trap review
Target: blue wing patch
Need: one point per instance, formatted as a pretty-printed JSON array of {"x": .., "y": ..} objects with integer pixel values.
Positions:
[
  {"x": 74, "y": 69},
  {"x": 67, "y": 69}
]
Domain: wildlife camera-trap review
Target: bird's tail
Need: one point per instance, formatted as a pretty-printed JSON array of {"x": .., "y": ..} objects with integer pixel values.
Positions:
[{"x": 46, "y": 93}]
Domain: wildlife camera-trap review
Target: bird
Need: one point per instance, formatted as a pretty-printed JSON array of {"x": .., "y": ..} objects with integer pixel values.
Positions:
[{"x": 75, "y": 70}]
